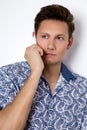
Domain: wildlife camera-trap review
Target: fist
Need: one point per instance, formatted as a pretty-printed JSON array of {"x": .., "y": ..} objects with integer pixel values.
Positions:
[{"x": 33, "y": 55}]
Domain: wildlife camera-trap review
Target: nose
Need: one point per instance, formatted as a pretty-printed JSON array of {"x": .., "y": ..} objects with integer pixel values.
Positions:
[{"x": 51, "y": 45}]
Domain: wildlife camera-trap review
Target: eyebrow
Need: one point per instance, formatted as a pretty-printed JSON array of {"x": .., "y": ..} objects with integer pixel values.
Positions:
[
  {"x": 49, "y": 34},
  {"x": 43, "y": 33},
  {"x": 59, "y": 35}
]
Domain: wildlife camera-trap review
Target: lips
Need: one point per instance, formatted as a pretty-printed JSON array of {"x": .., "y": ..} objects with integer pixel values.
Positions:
[{"x": 49, "y": 54}]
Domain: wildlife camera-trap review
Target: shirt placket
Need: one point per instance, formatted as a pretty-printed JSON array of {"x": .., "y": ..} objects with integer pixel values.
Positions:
[{"x": 51, "y": 113}]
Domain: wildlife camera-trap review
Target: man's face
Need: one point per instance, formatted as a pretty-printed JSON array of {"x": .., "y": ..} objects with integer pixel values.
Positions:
[{"x": 53, "y": 38}]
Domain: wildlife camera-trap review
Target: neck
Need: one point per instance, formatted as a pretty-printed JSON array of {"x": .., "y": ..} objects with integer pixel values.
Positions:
[{"x": 52, "y": 73}]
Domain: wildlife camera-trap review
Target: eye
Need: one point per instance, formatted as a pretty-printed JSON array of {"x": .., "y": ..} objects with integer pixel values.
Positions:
[
  {"x": 60, "y": 38},
  {"x": 44, "y": 36}
]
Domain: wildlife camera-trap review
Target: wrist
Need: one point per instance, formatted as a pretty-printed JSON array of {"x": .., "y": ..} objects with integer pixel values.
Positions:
[
  {"x": 36, "y": 74},
  {"x": 36, "y": 71}
]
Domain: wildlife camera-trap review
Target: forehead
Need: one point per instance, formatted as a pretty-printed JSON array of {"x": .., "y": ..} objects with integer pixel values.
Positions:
[{"x": 53, "y": 26}]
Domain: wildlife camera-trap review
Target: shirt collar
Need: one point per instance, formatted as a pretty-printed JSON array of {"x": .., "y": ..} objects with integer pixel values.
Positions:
[{"x": 66, "y": 73}]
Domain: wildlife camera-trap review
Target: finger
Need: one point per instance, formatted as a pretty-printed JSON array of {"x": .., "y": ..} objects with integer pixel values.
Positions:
[{"x": 40, "y": 50}]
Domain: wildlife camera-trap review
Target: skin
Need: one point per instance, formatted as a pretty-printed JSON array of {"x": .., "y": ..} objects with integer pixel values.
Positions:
[
  {"x": 53, "y": 38},
  {"x": 44, "y": 58}
]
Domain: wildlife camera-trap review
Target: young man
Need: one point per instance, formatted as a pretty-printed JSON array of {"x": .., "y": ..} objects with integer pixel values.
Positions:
[{"x": 41, "y": 93}]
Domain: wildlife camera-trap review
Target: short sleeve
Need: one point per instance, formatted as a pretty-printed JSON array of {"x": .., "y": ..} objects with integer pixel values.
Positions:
[
  {"x": 84, "y": 123},
  {"x": 12, "y": 79},
  {"x": 7, "y": 89}
]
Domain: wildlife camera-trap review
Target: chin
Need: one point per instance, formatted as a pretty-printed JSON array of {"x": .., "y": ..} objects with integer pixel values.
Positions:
[{"x": 51, "y": 62}]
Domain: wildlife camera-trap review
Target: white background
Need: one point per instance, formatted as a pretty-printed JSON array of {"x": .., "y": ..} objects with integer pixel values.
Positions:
[{"x": 16, "y": 27}]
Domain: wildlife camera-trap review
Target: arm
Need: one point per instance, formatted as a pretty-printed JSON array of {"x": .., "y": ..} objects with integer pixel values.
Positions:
[
  {"x": 14, "y": 115},
  {"x": 84, "y": 122}
]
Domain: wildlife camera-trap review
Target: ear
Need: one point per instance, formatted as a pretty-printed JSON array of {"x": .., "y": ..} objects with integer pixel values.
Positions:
[
  {"x": 70, "y": 42},
  {"x": 33, "y": 34}
]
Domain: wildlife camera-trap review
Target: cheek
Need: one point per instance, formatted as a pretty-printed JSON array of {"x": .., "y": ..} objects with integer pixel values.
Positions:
[
  {"x": 42, "y": 46},
  {"x": 61, "y": 49},
  {"x": 41, "y": 43}
]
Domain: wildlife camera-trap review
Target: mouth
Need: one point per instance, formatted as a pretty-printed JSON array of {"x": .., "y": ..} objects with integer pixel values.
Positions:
[{"x": 49, "y": 54}]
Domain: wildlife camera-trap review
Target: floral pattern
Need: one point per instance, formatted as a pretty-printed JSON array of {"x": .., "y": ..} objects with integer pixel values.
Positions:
[{"x": 65, "y": 109}]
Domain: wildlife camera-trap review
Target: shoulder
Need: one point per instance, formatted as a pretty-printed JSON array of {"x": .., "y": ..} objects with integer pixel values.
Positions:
[
  {"x": 15, "y": 67},
  {"x": 12, "y": 78},
  {"x": 77, "y": 82},
  {"x": 80, "y": 78},
  {"x": 71, "y": 76},
  {"x": 17, "y": 72},
  {"x": 79, "y": 86}
]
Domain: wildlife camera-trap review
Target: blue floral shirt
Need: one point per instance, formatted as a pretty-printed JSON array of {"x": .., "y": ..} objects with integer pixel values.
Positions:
[{"x": 65, "y": 109}]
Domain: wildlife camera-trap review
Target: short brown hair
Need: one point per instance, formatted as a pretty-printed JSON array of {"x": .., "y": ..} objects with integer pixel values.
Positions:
[{"x": 55, "y": 12}]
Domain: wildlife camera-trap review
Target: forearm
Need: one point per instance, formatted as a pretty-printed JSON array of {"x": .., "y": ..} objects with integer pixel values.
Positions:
[{"x": 14, "y": 116}]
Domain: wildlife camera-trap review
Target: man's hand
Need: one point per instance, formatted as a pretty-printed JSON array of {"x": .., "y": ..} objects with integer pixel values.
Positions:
[{"x": 33, "y": 56}]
